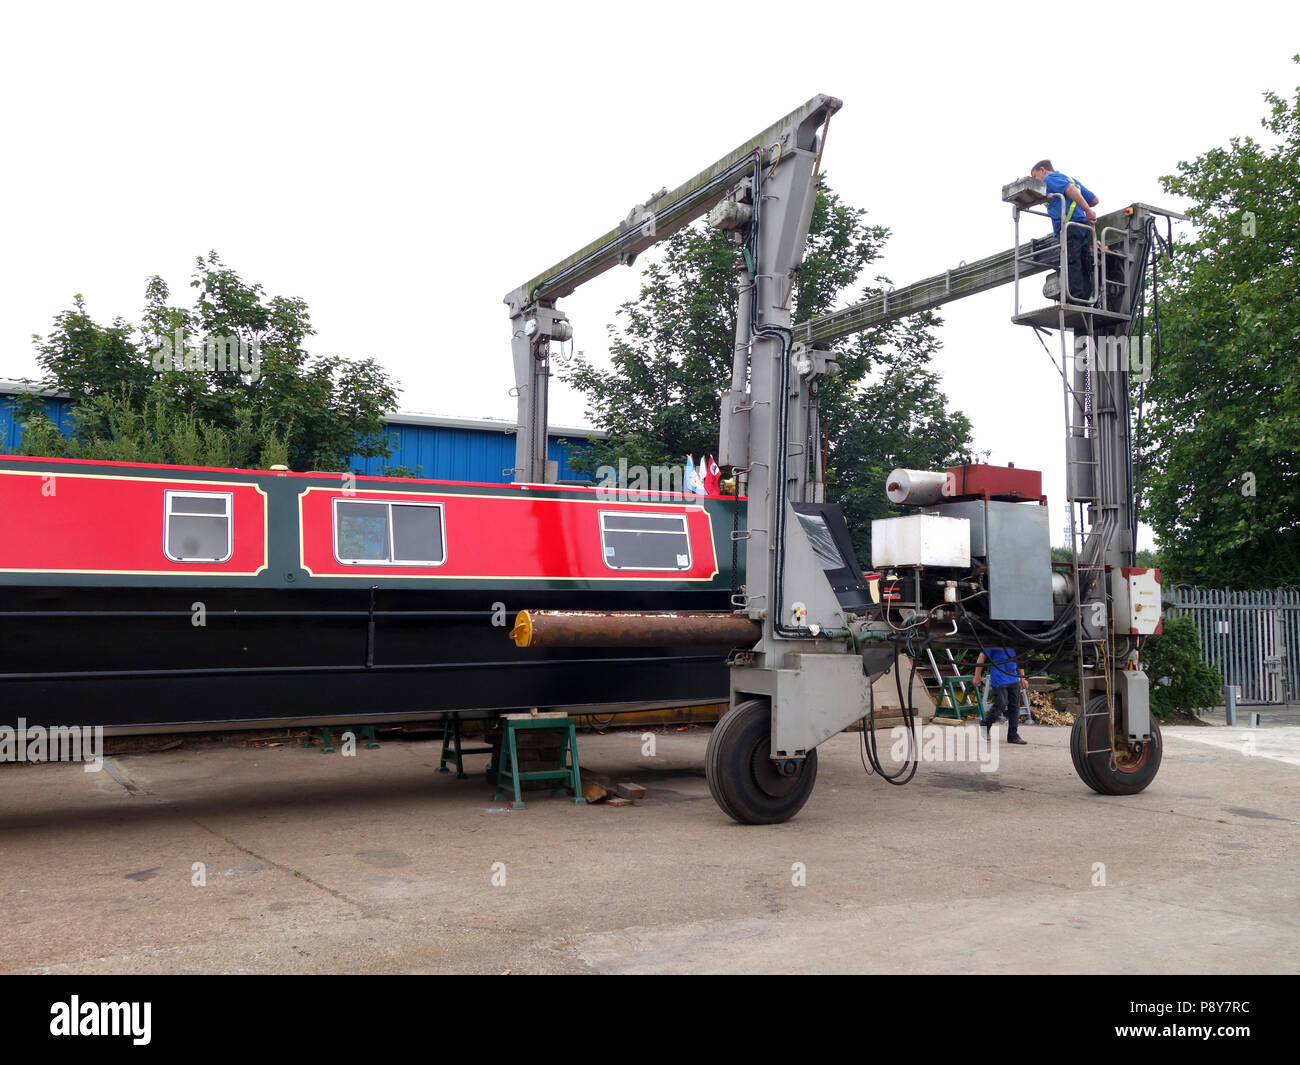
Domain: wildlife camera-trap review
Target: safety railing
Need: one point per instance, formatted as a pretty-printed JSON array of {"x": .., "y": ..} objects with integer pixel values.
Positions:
[{"x": 1054, "y": 252}]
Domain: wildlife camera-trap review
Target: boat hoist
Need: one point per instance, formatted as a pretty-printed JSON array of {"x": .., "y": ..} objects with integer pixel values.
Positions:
[{"x": 967, "y": 566}]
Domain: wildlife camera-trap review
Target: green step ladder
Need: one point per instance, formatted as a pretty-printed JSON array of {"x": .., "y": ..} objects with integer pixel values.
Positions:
[
  {"x": 957, "y": 699},
  {"x": 509, "y": 775},
  {"x": 957, "y": 692}
]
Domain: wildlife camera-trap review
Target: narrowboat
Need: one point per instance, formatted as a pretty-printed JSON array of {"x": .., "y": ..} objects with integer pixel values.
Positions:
[{"x": 147, "y": 598}]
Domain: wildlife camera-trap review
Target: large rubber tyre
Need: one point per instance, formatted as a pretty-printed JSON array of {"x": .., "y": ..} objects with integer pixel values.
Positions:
[
  {"x": 742, "y": 778},
  {"x": 1102, "y": 772}
]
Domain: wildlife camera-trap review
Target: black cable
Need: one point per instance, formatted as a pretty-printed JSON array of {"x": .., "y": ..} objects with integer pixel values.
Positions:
[
  {"x": 907, "y": 770},
  {"x": 1142, "y": 386},
  {"x": 735, "y": 539},
  {"x": 778, "y": 591},
  {"x": 1018, "y": 635},
  {"x": 1140, "y": 312},
  {"x": 1056, "y": 658},
  {"x": 1158, "y": 246},
  {"x": 898, "y": 677},
  {"x": 1053, "y": 650},
  {"x": 1060, "y": 625}
]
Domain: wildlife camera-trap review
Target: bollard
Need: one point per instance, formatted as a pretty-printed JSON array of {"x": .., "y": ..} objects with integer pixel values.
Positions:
[{"x": 1229, "y": 704}]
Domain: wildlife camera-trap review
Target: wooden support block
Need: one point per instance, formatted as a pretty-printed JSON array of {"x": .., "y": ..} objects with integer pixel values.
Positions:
[
  {"x": 536, "y": 714},
  {"x": 630, "y": 791}
]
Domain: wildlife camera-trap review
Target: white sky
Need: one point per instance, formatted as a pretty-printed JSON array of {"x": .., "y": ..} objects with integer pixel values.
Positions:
[{"x": 402, "y": 166}]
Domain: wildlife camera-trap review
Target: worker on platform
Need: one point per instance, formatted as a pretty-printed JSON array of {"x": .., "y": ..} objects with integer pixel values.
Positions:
[
  {"x": 1078, "y": 207},
  {"x": 1006, "y": 679}
]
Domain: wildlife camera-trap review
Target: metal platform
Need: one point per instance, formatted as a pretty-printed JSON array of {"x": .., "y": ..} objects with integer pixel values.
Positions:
[{"x": 1076, "y": 318}]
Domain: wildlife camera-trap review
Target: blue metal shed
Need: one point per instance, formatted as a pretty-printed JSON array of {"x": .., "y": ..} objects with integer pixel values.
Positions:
[
  {"x": 467, "y": 449},
  {"x": 11, "y": 432},
  {"x": 445, "y": 449}
]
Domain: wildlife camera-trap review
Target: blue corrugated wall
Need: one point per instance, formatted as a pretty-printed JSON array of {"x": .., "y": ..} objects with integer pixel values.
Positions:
[
  {"x": 440, "y": 452},
  {"x": 445, "y": 453},
  {"x": 11, "y": 432}
]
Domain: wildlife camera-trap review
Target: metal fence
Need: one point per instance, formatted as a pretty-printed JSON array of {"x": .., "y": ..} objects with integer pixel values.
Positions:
[{"x": 1251, "y": 637}]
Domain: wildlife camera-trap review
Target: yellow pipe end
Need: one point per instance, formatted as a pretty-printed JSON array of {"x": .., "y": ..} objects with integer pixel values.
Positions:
[{"x": 522, "y": 633}]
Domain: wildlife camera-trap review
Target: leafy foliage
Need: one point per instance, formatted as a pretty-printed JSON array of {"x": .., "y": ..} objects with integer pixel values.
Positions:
[
  {"x": 672, "y": 358},
  {"x": 114, "y": 428},
  {"x": 1175, "y": 656},
  {"x": 308, "y": 412},
  {"x": 1223, "y": 480}
]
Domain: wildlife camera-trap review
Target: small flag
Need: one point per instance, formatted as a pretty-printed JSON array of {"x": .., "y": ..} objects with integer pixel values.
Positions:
[
  {"x": 711, "y": 477},
  {"x": 695, "y": 476}
]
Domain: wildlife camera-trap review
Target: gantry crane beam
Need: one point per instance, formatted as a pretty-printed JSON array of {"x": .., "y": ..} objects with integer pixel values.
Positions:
[
  {"x": 668, "y": 211},
  {"x": 965, "y": 279},
  {"x": 535, "y": 321}
]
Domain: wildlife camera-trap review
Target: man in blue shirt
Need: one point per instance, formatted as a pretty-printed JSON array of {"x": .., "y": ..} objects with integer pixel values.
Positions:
[
  {"x": 1006, "y": 679},
  {"x": 1079, "y": 203}
]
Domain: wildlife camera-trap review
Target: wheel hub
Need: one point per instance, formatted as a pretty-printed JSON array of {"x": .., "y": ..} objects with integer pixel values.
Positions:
[
  {"x": 777, "y": 779},
  {"x": 1132, "y": 758}
]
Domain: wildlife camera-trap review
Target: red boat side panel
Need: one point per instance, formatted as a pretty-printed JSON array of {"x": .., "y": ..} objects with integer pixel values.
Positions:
[
  {"x": 68, "y": 522},
  {"x": 506, "y": 537}
]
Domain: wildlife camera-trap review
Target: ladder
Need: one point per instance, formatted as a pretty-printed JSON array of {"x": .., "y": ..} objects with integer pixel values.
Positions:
[
  {"x": 1090, "y": 486},
  {"x": 1087, "y": 563},
  {"x": 951, "y": 696}
]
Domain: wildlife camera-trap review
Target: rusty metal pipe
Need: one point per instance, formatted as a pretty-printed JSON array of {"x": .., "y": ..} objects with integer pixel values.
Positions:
[{"x": 611, "y": 628}]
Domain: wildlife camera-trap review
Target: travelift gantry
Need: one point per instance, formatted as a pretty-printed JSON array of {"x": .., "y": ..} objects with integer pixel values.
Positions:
[{"x": 826, "y": 629}]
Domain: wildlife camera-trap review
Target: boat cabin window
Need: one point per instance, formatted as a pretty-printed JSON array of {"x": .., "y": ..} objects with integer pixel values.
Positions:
[
  {"x": 388, "y": 534},
  {"x": 198, "y": 526},
  {"x": 645, "y": 541}
]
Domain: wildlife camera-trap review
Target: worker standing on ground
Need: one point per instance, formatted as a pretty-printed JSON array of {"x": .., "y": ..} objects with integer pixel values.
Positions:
[
  {"x": 1007, "y": 680},
  {"x": 1079, "y": 203}
]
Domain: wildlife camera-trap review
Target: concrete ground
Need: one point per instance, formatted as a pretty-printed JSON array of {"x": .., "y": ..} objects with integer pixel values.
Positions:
[{"x": 374, "y": 863}]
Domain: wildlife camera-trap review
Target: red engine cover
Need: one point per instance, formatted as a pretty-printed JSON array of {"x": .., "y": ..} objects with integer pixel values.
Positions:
[{"x": 996, "y": 482}]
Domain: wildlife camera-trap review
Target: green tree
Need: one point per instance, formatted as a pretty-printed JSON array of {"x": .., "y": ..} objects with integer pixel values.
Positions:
[
  {"x": 671, "y": 360},
  {"x": 1220, "y": 435},
  {"x": 133, "y": 400},
  {"x": 1181, "y": 681},
  {"x": 113, "y": 427},
  {"x": 896, "y": 416}
]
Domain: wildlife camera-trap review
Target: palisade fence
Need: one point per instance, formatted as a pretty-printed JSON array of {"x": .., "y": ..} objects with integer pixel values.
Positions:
[{"x": 1251, "y": 637}]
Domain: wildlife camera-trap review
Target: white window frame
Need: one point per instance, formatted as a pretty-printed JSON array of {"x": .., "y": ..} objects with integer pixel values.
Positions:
[
  {"x": 389, "y": 503},
  {"x": 168, "y": 514},
  {"x": 686, "y": 529}
]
